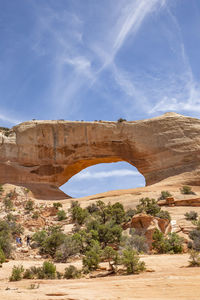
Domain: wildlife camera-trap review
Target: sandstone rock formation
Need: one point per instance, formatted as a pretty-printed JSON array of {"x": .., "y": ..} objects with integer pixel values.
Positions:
[
  {"x": 43, "y": 155},
  {"x": 147, "y": 224}
]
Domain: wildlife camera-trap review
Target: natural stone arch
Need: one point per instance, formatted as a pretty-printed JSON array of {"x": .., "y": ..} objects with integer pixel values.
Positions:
[
  {"x": 103, "y": 177},
  {"x": 45, "y": 154}
]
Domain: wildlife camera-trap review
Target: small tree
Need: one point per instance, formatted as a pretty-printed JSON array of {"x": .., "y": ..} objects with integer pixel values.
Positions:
[
  {"x": 69, "y": 247},
  {"x": 111, "y": 255},
  {"x": 2, "y": 256},
  {"x": 92, "y": 258},
  {"x": 120, "y": 120},
  {"x": 131, "y": 261}
]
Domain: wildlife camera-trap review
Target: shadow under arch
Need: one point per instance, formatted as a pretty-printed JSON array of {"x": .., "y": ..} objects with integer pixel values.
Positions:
[{"x": 103, "y": 177}]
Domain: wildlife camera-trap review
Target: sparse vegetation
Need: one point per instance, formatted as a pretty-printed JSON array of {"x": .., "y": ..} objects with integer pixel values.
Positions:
[
  {"x": 120, "y": 120},
  {"x": 194, "y": 259},
  {"x": 57, "y": 205},
  {"x": 131, "y": 261},
  {"x": 29, "y": 206},
  {"x": 164, "y": 195},
  {"x": 191, "y": 216},
  {"x": 187, "y": 190},
  {"x": 61, "y": 214},
  {"x": 17, "y": 272},
  {"x": 173, "y": 243},
  {"x": 72, "y": 272},
  {"x": 135, "y": 241}
]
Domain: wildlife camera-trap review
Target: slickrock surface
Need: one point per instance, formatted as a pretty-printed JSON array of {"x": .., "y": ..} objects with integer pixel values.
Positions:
[{"x": 43, "y": 155}]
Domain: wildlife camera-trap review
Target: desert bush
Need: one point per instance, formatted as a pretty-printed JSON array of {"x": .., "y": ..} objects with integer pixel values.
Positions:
[
  {"x": 148, "y": 206},
  {"x": 187, "y": 190},
  {"x": 92, "y": 258},
  {"x": 57, "y": 205},
  {"x": 69, "y": 247},
  {"x": 29, "y": 206},
  {"x": 1, "y": 189},
  {"x": 35, "y": 215},
  {"x": 93, "y": 208},
  {"x": 5, "y": 238},
  {"x": 49, "y": 270},
  {"x": 164, "y": 195},
  {"x": 51, "y": 244},
  {"x": 120, "y": 120},
  {"x": 131, "y": 261},
  {"x": 130, "y": 213},
  {"x": 61, "y": 214},
  {"x": 163, "y": 214},
  {"x": 194, "y": 235},
  {"x": 194, "y": 259},
  {"x": 111, "y": 255},
  {"x": 2, "y": 256},
  {"x": 192, "y": 215},
  {"x": 17, "y": 272},
  {"x": 171, "y": 244},
  {"x": 77, "y": 213},
  {"x": 39, "y": 237},
  {"x": 72, "y": 272},
  {"x": 11, "y": 218},
  {"x": 8, "y": 203},
  {"x": 135, "y": 241}
]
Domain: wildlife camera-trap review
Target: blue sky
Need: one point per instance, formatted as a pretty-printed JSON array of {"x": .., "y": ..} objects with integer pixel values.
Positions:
[{"x": 99, "y": 60}]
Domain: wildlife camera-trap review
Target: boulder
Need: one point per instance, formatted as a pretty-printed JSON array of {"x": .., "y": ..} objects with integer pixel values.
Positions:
[{"x": 147, "y": 224}]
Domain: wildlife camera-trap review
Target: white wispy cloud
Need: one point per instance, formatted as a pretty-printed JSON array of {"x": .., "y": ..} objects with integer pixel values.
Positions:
[
  {"x": 183, "y": 92},
  {"x": 102, "y": 174}
]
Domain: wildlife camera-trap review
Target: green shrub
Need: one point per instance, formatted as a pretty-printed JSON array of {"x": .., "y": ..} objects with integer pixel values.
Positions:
[
  {"x": 148, "y": 206},
  {"x": 187, "y": 190},
  {"x": 39, "y": 237},
  {"x": 111, "y": 255},
  {"x": 120, "y": 120},
  {"x": 194, "y": 259},
  {"x": 78, "y": 214},
  {"x": 1, "y": 189},
  {"x": 17, "y": 272},
  {"x": 35, "y": 215},
  {"x": 8, "y": 203},
  {"x": 2, "y": 256},
  {"x": 5, "y": 238},
  {"x": 61, "y": 214},
  {"x": 69, "y": 247},
  {"x": 192, "y": 215},
  {"x": 171, "y": 244},
  {"x": 29, "y": 206},
  {"x": 49, "y": 270},
  {"x": 131, "y": 261},
  {"x": 51, "y": 244},
  {"x": 163, "y": 214},
  {"x": 164, "y": 195},
  {"x": 194, "y": 235},
  {"x": 72, "y": 272},
  {"x": 130, "y": 213},
  {"x": 135, "y": 241},
  {"x": 93, "y": 208},
  {"x": 57, "y": 205},
  {"x": 92, "y": 258}
]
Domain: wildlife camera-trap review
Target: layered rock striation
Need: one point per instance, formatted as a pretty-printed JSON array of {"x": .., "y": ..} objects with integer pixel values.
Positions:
[{"x": 46, "y": 154}]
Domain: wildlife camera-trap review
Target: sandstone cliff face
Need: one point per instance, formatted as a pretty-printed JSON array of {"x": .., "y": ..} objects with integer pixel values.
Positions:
[{"x": 48, "y": 153}]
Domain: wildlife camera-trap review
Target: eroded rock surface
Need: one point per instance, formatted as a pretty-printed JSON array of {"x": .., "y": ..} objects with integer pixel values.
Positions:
[
  {"x": 147, "y": 224},
  {"x": 43, "y": 155}
]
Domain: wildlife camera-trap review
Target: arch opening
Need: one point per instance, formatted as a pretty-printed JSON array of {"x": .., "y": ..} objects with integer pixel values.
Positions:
[{"x": 103, "y": 177}]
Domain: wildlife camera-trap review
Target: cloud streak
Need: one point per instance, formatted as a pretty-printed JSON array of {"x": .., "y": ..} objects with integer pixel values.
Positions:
[{"x": 102, "y": 174}]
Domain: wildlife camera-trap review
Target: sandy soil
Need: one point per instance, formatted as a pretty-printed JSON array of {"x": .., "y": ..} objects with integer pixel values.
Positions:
[{"x": 171, "y": 279}]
